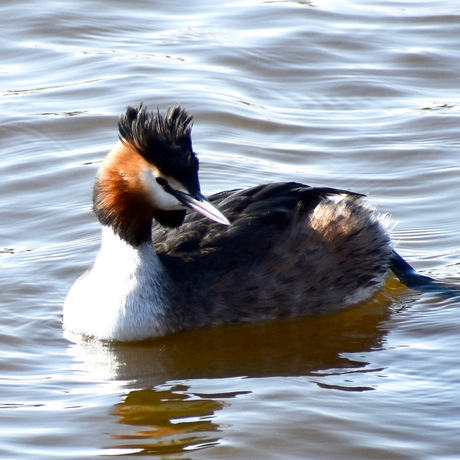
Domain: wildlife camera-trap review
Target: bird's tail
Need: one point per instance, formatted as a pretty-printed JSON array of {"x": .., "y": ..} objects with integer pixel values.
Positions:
[{"x": 408, "y": 276}]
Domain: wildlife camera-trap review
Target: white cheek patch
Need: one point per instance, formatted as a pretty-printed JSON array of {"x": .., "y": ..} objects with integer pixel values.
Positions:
[{"x": 156, "y": 194}]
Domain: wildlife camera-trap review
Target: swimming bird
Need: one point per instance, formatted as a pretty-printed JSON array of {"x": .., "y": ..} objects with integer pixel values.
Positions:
[{"x": 277, "y": 250}]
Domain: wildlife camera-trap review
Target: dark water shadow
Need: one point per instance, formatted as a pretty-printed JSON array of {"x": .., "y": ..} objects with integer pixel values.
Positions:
[
  {"x": 296, "y": 347},
  {"x": 161, "y": 415}
]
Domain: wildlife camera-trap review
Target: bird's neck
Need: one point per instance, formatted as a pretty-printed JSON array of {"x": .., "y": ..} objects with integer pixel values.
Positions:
[
  {"x": 117, "y": 254},
  {"x": 125, "y": 294}
]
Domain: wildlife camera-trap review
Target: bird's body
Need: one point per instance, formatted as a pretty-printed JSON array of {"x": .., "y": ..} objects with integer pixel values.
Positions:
[{"x": 290, "y": 249}]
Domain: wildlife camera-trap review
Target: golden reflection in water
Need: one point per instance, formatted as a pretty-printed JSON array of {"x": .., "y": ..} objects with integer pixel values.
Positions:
[
  {"x": 168, "y": 421},
  {"x": 161, "y": 418},
  {"x": 295, "y": 347}
]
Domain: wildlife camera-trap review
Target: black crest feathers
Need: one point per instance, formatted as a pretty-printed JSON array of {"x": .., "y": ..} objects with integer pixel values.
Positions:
[{"x": 163, "y": 140}]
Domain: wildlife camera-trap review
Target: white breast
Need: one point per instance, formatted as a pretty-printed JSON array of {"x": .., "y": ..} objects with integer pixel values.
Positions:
[{"x": 122, "y": 297}]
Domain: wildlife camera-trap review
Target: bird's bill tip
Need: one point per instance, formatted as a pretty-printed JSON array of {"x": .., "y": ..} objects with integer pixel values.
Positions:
[{"x": 202, "y": 205}]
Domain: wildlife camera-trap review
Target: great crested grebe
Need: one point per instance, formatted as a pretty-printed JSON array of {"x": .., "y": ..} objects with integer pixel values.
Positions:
[{"x": 270, "y": 251}]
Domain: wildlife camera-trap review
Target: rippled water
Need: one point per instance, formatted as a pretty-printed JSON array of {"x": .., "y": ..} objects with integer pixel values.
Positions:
[{"x": 353, "y": 94}]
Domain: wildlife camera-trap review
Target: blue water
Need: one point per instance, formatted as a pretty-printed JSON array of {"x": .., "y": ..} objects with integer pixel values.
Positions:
[{"x": 350, "y": 94}]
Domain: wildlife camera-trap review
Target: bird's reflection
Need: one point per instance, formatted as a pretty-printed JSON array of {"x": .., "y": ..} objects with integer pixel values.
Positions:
[
  {"x": 168, "y": 421},
  {"x": 281, "y": 348},
  {"x": 162, "y": 416}
]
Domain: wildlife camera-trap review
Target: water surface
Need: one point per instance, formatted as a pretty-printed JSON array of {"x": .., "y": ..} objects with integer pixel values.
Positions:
[{"x": 356, "y": 94}]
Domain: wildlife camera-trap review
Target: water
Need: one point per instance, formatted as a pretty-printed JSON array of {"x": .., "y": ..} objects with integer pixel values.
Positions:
[{"x": 353, "y": 94}]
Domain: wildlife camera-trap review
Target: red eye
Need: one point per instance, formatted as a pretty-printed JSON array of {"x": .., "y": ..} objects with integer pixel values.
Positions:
[{"x": 161, "y": 181}]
